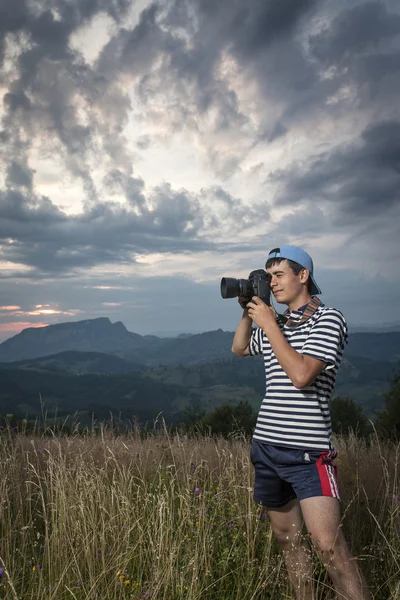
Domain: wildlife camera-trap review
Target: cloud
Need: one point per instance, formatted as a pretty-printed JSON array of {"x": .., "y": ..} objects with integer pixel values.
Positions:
[
  {"x": 34, "y": 232},
  {"x": 360, "y": 29},
  {"x": 361, "y": 179}
]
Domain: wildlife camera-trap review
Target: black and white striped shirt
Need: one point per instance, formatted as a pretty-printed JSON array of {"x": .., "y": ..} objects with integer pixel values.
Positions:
[{"x": 300, "y": 418}]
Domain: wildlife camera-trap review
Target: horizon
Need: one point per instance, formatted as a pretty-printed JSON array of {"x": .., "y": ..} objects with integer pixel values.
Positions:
[{"x": 152, "y": 148}]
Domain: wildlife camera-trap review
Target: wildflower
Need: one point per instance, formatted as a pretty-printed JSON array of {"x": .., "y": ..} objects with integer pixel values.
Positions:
[
  {"x": 1, "y": 572},
  {"x": 197, "y": 491},
  {"x": 229, "y": 524}
]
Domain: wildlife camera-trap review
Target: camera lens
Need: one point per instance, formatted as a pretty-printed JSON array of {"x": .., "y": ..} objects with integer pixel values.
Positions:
[{"x": 229, "y": 287}]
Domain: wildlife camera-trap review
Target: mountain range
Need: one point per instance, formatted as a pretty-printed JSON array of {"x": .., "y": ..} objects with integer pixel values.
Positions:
[
  {"x": 100, "y": 335},
  {"x": 99, "y": 366}
]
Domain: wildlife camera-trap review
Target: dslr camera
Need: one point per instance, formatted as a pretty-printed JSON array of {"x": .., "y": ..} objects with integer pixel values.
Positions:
[{"x": 258, "y": 284}]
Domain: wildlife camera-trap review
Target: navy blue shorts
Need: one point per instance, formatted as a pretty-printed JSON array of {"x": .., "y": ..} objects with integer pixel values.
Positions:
[{"x": 282, "y": 474}]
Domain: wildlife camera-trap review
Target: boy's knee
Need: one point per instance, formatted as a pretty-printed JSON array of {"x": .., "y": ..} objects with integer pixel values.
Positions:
[{"x": 287, "y": 538}]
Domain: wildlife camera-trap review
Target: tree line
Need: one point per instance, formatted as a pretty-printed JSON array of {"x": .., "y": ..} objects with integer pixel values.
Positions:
[{"x": 227, "y": 419}]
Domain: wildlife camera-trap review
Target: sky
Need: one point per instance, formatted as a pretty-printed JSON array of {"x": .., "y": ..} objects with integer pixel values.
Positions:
[{"x": 149, "y": 149}]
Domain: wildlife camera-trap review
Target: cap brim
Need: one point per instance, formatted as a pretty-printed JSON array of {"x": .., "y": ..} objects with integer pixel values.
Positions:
[{"x": 315, "y": 289}]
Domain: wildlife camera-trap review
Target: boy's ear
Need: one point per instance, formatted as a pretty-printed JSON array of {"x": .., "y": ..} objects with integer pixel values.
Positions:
[{"x": 304, "y": 274}]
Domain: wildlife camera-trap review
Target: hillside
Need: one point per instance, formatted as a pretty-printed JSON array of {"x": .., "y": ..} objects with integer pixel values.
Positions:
[
  {"x": 76, "y": 363},
  {"x": 375, "y": 346},
  {"x": 165, "y": 388}
]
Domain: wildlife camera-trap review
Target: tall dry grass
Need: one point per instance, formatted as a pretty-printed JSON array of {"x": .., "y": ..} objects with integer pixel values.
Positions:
[{"x": 166, "y": 517}]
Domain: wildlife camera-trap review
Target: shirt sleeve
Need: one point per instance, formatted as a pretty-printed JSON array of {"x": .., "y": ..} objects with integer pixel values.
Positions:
[
  {"x": 327, "y": 338},
  {"x": 255, "y": 344}
]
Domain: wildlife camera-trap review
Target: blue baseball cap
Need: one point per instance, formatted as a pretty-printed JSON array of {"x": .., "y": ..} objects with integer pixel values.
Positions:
[{"x": 302, "y": 258}]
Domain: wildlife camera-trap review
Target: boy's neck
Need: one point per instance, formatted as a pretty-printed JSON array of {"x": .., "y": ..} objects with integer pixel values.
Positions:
[{"x": 300, "y": 301}]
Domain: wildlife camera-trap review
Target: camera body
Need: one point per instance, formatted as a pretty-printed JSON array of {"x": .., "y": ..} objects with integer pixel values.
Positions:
[{"x": 258, "y": 284}]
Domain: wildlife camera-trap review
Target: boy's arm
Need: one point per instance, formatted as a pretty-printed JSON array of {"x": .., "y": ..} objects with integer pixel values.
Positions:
[
  {"x": 301, "y": 370},
  {"x": 241, "y": 340}
]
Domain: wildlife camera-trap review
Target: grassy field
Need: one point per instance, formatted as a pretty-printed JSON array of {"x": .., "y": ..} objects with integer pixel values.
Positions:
[{"x": 167, "y": 517}]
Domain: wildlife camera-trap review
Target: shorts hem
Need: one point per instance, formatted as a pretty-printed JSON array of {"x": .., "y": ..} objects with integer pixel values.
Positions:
[
  {"x": 314, "y": 495},
  {"x": 275, "y": 505}
]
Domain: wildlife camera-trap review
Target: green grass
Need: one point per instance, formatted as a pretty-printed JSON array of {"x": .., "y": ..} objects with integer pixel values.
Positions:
[{"x": 101, "y": 516}]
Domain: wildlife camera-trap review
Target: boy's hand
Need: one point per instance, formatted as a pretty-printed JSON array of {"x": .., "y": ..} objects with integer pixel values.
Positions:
[{"x": 262, "y": 315}]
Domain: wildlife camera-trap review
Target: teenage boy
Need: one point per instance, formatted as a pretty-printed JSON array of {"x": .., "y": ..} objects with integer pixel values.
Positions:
[{"x": 292, "y": 450}]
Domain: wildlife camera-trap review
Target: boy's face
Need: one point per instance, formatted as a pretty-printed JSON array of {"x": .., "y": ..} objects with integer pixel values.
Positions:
[{"x": 285, "y": 285}]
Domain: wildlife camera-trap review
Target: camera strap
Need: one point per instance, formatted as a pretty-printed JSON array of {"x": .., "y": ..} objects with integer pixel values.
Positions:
[{"x": 309, "y": 310}]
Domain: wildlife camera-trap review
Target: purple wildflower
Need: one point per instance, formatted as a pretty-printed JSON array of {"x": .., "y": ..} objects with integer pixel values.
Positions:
[
  {"x": 197, "y": 491},
  {"x": 1, "y": 570}
]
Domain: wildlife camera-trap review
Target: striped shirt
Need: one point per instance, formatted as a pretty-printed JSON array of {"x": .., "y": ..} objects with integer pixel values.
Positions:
[{"x": 300, "y": 418}]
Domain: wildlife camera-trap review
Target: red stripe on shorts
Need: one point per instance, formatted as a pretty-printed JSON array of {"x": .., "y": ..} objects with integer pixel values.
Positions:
[{"x": 327, "y": 476}]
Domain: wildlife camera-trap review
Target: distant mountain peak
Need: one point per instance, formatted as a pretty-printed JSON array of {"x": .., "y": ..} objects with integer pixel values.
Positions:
[{"x": 87, "y": 335}]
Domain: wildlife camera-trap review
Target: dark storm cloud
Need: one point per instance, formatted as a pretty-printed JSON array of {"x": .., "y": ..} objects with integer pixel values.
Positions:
[
  {"x": 185, "y": 66},
  {"x": 40, "y": 100},
  {"x": 36, "y": 233},
  {"x": 254, "y": 26},
  {"x": 362, "y": 178},
  {"x": 361, "y": 48},
  {"x": 269, "y": 40},
  {"x": 356, "y": 30},
  {"x": 19, "y": 175},
  {"x": 173, "y": 54},
  {"x": 167, "y": 66}
]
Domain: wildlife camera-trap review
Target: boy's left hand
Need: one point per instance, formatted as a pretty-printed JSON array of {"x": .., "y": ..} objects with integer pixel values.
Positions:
[{"x": 262, "y": 314}]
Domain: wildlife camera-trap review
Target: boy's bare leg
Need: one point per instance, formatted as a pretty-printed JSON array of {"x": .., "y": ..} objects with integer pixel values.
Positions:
[
  {"x": 322, "y": 518},
  {"x": 286, "y": 524}
]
